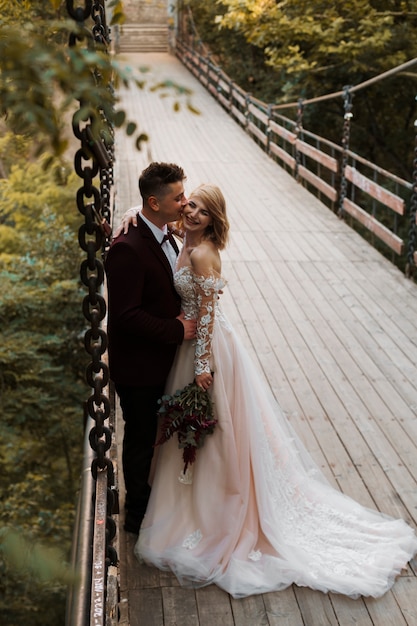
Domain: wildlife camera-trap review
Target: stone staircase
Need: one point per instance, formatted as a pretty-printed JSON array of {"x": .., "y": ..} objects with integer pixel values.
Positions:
[{"x": 142, "y": 38}]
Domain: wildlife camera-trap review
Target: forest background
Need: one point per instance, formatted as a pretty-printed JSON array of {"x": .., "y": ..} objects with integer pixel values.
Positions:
[{"x": 280, "y": 51}]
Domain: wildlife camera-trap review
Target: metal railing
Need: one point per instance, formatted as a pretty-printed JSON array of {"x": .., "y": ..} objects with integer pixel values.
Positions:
[
  {"x": 373, "y": 200},
  {"x": 92, "y": 600}
]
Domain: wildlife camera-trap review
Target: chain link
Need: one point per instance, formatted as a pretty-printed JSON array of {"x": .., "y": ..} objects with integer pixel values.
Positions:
[
  {"x": 412, "y": 236},
  {"x": 79, "y": 14},
  {"x": 95, "y": 157},
  {"x": 298, "y": 131},
  {"x": 347, "y": 103}
]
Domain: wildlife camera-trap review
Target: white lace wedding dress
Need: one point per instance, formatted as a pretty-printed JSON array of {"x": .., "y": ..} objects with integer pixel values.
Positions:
[{"x": 255, "y": 514}]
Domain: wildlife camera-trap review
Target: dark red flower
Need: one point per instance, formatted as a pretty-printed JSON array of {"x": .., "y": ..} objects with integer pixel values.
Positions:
[{"x": 189, "y": 413}]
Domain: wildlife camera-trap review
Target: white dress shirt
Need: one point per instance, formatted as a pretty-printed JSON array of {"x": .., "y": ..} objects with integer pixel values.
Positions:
[{"x": 159, "y": 236}]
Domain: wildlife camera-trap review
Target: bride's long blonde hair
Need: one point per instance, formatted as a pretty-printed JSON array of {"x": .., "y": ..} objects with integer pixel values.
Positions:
[{"x": 214, "y": 202}]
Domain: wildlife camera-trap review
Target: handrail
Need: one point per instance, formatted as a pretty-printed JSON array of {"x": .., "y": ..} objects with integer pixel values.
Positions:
[
  {"x": 370, "y": 197},
  {"x": 79, "y": 593},
  {"x": 93, "y": 591},
  {"x": 352, "y": 89}
]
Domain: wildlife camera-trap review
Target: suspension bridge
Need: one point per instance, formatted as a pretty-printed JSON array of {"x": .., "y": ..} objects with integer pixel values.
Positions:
[{"x": 328, "y": 320}]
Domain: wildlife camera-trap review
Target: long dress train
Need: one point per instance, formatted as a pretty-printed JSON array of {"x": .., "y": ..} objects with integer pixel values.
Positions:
[{"x": 254, "y": 513}]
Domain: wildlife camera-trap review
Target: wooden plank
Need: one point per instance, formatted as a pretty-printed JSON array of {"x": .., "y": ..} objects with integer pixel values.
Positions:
[
  {"x": 250, "y": 611},
  {"x": 239, "y": 115},
  {"x": 350, "y": 612},
  {"x": 257, "y": 132},
  {"x": 225, "y": 101},
  {"x": 213, "y": 75},
  {"x": 360, "y": 454},
  {"x": 386, "y": 327},
  {"x": 146, "y": 608},
  {"x": 282, "y": 608},
  {"x": 316, "y": 608},
  {"x": 138, "y": 575},
  {"x": 317, "y": 182},
  {"x": 213, "y": 90},
  {"x": 194, "y": 69},
  {"x": 180, "y": 607},
  {"x": 214, "y": 607},
  {"x": 224, "y": 85},
  {"x": 258, "y": 114},
  {"x": 405, "y": 592},
  {"x": 392, "y": 447},
  {"x": 282, "y": 155},
  {"x": 204, "y": 65},
  {"x": 382, "y": 232},
  {"x": 385, "y": 610},
  {"x": 317, "y": 155},
  {"x": 279, "y": 130},
  {"x": 376, "y": 191},
  {"x": 239, "y": 95},
  {"x": 168, "y": 579}
]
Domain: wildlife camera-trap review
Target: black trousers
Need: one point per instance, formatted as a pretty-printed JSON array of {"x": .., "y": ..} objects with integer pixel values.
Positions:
[{"x": 139, "y": 407}]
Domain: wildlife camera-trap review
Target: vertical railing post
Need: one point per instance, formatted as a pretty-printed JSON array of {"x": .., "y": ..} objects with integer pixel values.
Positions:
[
  {"x": 268, "y": 129},
  {"x": 412, "y": 236},
  {"x": 298, "y": 130},
  {"x": 347, "y": 102}
]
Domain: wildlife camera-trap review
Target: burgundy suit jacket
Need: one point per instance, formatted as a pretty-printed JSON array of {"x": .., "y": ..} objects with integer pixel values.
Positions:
[{"x": 142, "y": 330}]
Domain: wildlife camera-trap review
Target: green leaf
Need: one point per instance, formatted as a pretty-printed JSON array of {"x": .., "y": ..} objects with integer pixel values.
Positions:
[
  {"x": 130, "y": 128},
  {"x": 141, "y": 139},
  {"x": 119, "y": 118},
  {"x": 193, "y": 109}
]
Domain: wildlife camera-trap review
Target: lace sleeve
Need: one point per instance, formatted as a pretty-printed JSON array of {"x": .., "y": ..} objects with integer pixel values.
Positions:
[{"x": 207, "y": 294}]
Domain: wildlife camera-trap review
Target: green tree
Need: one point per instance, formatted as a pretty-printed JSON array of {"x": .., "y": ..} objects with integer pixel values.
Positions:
[
  {"x": 42, "y": 364},
  {"x": 313, "y": 42},
  {"x": 41, "y": 76},
  {"x": 42, "y": 357},
  {"x": 314, "y": 48}
]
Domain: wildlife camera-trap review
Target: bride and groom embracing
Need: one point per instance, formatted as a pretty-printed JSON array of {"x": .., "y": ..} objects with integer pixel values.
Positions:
[{"x": 253, "y": 513}]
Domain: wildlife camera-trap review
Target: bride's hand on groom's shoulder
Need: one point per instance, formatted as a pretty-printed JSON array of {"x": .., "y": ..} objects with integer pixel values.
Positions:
[{"x": 128, "y": 218}]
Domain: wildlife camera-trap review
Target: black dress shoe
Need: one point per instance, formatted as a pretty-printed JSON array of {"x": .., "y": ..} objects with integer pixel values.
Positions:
[
  {"x": 131, "y": 527},
  {"x": 132, "y": 524}
]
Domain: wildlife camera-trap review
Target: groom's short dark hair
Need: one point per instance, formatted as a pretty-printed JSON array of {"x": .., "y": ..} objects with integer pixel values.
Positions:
[{"x": 154, "y": 179}]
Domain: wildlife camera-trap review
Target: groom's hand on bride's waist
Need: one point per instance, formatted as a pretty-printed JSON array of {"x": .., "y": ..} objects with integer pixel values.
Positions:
[{"x": 190, "y": 326}]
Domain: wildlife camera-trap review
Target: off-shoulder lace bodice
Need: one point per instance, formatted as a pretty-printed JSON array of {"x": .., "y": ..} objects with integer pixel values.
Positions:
[
  {"x": 188, "y": 284},
  {"x": 199, "y": 297}
]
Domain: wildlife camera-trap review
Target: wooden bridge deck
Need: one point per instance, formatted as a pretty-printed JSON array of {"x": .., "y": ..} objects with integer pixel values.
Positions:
[{"x": 332, "y": 326}]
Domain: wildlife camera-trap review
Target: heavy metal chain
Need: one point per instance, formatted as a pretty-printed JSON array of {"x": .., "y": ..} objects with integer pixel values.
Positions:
[
  {"x": 101, "y": 34},
  {"x": 93, "y": 158},
  {"x": 412, "y": 237},
  {"x": 298, "y": 131},
  {"x": 347, "y": 101}
]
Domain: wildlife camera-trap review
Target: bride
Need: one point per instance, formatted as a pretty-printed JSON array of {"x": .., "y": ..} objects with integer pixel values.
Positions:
[{"x": 253, "y": 513}]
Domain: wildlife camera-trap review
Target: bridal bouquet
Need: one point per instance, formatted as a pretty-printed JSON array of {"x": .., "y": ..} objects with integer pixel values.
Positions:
[{"x": 188, "y": 412}]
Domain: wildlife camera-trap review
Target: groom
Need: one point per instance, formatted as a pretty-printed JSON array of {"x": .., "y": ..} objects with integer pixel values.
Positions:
[{"x": 145, "y": 324}]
